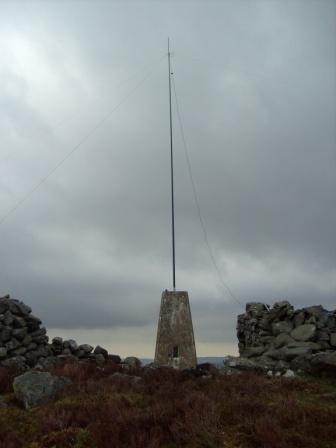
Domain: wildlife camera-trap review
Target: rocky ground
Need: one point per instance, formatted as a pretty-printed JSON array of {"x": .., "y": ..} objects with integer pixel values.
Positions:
[{"x": 81, "y": 404}]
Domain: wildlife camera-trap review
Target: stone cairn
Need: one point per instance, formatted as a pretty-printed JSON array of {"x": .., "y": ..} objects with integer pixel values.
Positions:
[
  {"x": 24, "y": 342},
  {"x": 281, "y": 338}
]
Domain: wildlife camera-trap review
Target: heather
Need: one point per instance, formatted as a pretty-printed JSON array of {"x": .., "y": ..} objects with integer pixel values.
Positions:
[{"x": 165, "y": 408}]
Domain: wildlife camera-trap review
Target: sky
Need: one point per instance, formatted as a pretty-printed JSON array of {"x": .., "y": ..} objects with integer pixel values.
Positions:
[{"x": 85, "y": 225}]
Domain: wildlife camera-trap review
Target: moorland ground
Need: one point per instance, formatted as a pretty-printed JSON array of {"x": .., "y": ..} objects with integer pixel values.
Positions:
[{"x": 152, "y": 408}]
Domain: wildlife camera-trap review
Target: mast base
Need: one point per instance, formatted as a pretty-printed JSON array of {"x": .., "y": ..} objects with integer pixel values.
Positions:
[{"x": 175, "y": 343}]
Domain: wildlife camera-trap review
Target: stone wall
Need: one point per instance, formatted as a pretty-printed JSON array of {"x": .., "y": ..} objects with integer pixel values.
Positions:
[
  {"x": 24, "y": 342},
  {"x": 282, "y": 337}
]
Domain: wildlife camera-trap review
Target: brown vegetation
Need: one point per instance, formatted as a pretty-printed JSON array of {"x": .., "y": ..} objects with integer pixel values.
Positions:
[{"x": 171, "y": 409}]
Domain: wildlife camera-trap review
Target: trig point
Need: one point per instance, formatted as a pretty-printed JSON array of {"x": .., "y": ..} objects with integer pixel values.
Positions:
[{"x": 175, "y": 344}]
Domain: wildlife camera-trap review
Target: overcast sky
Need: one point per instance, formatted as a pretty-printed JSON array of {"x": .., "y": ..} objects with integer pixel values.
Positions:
[{"x": 90, "y": 249}]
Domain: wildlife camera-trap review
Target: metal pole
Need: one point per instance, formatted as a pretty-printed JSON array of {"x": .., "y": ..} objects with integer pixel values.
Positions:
[{"x": 171, "y": 169}]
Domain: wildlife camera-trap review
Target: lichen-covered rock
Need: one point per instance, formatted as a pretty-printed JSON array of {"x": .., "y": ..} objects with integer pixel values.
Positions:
[
  {"x": 86, "y": 348},
  {"x": 16, "y": 362},
  {"x": 333, "y": 339},
  {"x": 291, "y": 353},
  {"x": 301, "y": 363},
  {"x": 324, "y": 362},
  {"x": 57, "y": 341},
  {"x": 33, "y": 388},
  {"x": 19, "y": 333},
  {"x": 132, "y": 362},
  {"x": 281, "y": 366},
  {"x": 299, "y": 318},
  {"x": 101, "y": 351},
  {"x": 323, "y": 335},
  {"x": 73, "y": 345},
  {"x": 100, "y": 359},
  {"x": 239, "y": 363},
  {"x": 253, "y": 351},
  {"x": 282, "y": 304},
  {"x": 114, "y": 358},
  {"x": 5, "y": 334},
  {"x": 315, "y": 310},
  {"x": 282, "y": 339},
  {"x": 255, "y": 307},
  {"x": 304, "y": 332},
  {"x": 281, "y": 327},
  {"x": 314, "y": 346}
]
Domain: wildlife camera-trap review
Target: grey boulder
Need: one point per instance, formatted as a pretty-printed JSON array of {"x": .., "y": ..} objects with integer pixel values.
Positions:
[
  {"x": 304, "y": 332},
  {"x": 73, "y": 345},
  {"x": 301, "y": 344},
  {"x": 282, "y": 339},
  {"x": 19, "y": 333},
  {"x": 17, "y": 362},
  {"x": 101, "y": 351},
  {"x": 291, "y": 353},
  {"x": 275, "y": 354},
  {"x": 33, "y": 388},
  {"x": 281, "y": 327},
  {"x": 100, "y": 359},
  {"x": 333, "y": 339},
  {"x": 315, "y": 310},
  {"x": 86, "y": 348},
  {"x": 239, "y": 363},
  {"x": 301, "y": 363},
  {"x": 114, "y": 358},
  {"x": 253, "y": 351},
  {"x": 5, "y": 334},
  {"x": 57, "y": 341},
  {"x": 299, "y": 318},
  {"x": 132, "y": 362},
  {"x": 255, "y": 307},
  {"x": 324, "y": 362}
]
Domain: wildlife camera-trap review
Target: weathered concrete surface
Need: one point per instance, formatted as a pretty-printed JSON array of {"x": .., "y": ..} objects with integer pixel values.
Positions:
[{"x": 175, "y": 344}]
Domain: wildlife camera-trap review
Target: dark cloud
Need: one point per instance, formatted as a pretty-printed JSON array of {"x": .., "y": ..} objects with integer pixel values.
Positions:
[{"x": 256, "y": 84}]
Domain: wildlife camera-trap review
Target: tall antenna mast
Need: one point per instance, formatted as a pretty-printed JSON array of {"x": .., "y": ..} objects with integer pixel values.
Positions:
[
  {"x": 171, "y": 168},
  {"x": 175, "y": 343}
]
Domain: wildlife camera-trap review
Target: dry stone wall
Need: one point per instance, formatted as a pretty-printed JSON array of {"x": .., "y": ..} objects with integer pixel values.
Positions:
[
  {"x": 282, "y": 337},
  {"x": 24, "y": 342}
]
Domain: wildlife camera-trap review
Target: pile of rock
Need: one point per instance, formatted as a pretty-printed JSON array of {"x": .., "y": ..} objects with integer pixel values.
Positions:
[
  {"x": 280, "y": 337},
  {"x": 24, "y": 342},
  {"x": 22, "y": 339},
  {"x": 69, "y": 348}
]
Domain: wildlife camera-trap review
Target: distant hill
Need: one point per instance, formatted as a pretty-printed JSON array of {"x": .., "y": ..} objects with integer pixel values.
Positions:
[{"x": 216, "y": 360}]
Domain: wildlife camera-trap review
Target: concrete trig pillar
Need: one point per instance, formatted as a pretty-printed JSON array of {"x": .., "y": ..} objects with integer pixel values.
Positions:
[{"x": 175, "y": 344}]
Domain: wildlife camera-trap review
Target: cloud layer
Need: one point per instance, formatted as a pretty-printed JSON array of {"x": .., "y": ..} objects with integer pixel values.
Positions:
[{"x": 89, "y": 250}]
